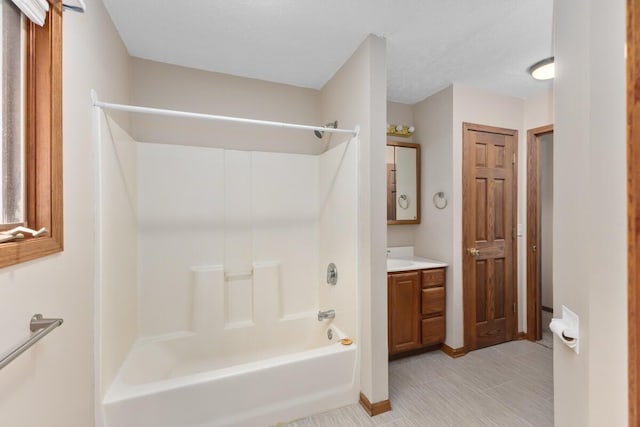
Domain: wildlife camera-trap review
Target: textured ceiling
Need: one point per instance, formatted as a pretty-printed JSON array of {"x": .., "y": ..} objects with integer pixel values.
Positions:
[{"x": 486, "y": 44}]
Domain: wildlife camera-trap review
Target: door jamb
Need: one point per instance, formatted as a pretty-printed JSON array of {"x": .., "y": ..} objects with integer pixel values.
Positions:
[
  {"x": 534, "y": 303},
  {"x": 466, "y": 298},
  {"x": 633, "y": 206}
]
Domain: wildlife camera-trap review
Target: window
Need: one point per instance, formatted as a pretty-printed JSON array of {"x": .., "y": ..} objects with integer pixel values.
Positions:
[
  {"x": 31, "y": 132},
  {"x": 12, "y": 63}
]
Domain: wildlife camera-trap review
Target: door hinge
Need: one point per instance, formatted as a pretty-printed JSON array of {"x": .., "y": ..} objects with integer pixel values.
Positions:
[
  {"x": 514, "y": 308},
  {"x": 513, "y": 160},
  {"x": 513, "y": 233}
]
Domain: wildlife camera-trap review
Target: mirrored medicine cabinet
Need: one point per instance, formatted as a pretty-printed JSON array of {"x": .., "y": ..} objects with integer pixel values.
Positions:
[{"x": 403, "y": 183}]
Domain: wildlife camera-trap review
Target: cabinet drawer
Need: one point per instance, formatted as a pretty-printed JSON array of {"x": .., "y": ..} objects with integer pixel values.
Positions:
[
  {"x": 432, "y": 278},
  {"x": 433, "y": 330},
  {"x": 432, "y": 301}
]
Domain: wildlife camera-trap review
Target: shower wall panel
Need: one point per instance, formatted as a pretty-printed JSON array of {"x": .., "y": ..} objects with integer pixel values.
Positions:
[
  {"x": 181, "y": 224},
  {"x": 238, "y": 230},
  {"x": 338, "y": 198},
  {"x": 285, "y": 224},
  {"x": 202, "y": 207}
]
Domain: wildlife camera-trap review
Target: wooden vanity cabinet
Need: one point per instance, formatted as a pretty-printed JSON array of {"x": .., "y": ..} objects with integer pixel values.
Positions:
[{"x": 416, "y": 310}]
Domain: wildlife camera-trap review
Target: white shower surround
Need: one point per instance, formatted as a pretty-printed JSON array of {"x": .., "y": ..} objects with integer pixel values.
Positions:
[
  {"x": 232, "y": 248},
  {"x": 202, "y": 206}
]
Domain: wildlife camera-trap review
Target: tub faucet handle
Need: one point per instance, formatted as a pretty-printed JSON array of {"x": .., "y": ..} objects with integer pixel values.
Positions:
[
  {"x": 328, "y": 314},
  {"x": 332, "y": 274}
]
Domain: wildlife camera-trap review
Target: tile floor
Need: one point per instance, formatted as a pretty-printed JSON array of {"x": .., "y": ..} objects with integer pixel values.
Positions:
[{"x": 507, "y": 385}]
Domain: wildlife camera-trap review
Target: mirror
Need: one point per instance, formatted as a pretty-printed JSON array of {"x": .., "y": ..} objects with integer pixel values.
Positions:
[{"x": 403, "y": 183}]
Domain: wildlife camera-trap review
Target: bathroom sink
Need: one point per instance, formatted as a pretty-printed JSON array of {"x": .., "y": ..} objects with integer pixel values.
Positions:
[
  {"x": 412, "y": 263},
  {"x": 397, "y": 263}
]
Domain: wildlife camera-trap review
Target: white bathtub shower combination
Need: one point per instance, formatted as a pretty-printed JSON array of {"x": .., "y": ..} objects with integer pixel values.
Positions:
[
  {"x": 186, "y": 381},
  {"x": 232, "y": 252}
]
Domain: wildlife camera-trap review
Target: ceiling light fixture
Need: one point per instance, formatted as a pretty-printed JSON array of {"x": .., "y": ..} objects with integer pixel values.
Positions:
[{"x": 543, "y": 70}]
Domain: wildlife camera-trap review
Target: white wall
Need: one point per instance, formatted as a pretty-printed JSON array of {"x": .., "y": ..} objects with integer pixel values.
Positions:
[
  {"x": 169, "y": 86},
  {"x": 538, "y": 110},
  {"x": 62, "y": 284},
  {"x": 434, "y": 235},
  {"x": 116, "y": 247},
  {"x": 400, "y": 114},
  {"x": 590, "y": 389},
  {"x": 356, "y": 95},
  {"x": 571, "y": 175},
  {"x": 608, "y": 149},
  {"x": 546, "y": 221}
]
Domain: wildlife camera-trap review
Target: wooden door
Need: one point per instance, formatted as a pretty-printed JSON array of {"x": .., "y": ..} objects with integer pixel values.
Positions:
[
  {"x": 534, "y": 230},
  {"x": 404, "y": 311},
  {"x": 489, "y": 230}
]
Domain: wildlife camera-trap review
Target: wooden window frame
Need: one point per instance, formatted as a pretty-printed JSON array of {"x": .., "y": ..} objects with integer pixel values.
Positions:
[{"x": 43, "y": 164}]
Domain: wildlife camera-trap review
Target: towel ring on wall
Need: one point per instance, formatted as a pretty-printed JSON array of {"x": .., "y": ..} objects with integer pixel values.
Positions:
[
  {"x": 403, "y": 201},
  {"x": 439, "y": 200}
]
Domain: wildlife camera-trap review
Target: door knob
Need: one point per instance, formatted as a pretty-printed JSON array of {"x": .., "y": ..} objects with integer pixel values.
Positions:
[{"x": 473, "y": 251}]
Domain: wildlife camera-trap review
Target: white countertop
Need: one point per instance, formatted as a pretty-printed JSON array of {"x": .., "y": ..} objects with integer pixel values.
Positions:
[{"x": 407, "y": 263}]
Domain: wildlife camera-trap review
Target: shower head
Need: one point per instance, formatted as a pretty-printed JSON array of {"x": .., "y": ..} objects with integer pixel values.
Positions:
[{"x": 319, "y": 133}]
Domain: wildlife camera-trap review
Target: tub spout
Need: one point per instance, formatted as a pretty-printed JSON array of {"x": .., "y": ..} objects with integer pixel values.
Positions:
[{"x": 329, "y": 314}]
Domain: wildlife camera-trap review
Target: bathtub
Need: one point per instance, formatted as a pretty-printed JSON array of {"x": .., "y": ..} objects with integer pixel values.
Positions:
[{"x": 242, "y": 378}]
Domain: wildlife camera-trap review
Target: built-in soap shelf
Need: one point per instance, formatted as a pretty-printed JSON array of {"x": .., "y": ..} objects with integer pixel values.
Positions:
[{"x": 225, "y": 300}]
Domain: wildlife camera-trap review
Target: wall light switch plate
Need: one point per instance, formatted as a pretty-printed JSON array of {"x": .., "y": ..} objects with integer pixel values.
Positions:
[{"x": 519, "y": 229}]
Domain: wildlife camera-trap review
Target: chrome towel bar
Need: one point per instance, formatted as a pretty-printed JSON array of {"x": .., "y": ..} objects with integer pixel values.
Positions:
[{"x": 37, "y": 324}]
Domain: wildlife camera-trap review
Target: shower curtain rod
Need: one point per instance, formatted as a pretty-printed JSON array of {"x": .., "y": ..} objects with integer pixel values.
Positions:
[{"x": 185, "y": 114}]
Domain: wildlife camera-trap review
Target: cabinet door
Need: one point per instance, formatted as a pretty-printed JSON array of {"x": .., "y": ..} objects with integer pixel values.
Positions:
[{"x": 404, "y": 311}]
